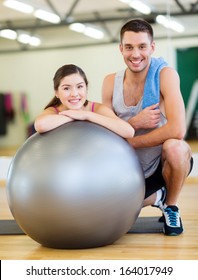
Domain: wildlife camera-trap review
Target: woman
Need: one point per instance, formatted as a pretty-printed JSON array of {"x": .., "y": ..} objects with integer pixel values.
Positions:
[{"x": 70, "y": 103}]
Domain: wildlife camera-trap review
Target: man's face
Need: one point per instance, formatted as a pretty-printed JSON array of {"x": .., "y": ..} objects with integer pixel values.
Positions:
[{"x": 137, "y": 49}]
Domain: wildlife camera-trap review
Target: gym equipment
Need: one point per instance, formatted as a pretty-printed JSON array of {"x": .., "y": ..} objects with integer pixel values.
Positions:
[{"x": 77, "y": 186}]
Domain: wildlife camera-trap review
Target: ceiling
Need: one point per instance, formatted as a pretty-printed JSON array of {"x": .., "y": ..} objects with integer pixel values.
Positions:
[{"x": 109, "y": 15}]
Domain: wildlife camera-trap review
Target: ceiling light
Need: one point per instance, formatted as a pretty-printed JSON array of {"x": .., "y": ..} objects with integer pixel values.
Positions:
[
  {"x": 35, "y": 41},
  {"x": 26, "y": 38},
  {"x": 93, "y": 32},
  {"x": 8, "y": 34},
  {"x": 47, "y": 16},
  {"x": 19, "y": 6},
  {"x": 88, "y": 30},
  {"x": 23, "y": 38},
  {"x": 138, "y": 6},
  {"x": 77, "y": 27},
  {"x": 170, "y": 23},
  {"x": 39, "y": 13}
]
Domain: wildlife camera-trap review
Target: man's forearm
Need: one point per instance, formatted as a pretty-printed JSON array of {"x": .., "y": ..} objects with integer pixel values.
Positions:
[
  {"x": 133, "y": 123},
  {"x": 156, "y": 137}
]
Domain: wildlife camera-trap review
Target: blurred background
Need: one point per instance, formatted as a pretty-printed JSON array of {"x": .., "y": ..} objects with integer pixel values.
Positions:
[{"x": 39, "y": 36}]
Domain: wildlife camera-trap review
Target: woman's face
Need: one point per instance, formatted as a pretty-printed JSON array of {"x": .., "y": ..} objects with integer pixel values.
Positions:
[{"x": 72, "y": 91}]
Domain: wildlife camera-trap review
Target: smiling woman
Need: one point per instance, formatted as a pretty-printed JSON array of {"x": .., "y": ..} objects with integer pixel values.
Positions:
[{"x": 70, "y": 103}]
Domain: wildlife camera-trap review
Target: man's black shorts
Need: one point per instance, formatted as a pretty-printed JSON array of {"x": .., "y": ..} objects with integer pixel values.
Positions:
[{"x": 156, "y": 181}]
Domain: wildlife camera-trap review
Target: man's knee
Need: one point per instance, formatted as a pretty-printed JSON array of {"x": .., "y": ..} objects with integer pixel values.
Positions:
[{"x": 175, "y": 150}]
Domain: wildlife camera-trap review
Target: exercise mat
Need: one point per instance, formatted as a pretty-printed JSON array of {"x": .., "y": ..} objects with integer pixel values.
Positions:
[
  {"x": 147, "y": 225},
  {"x": 142, "y": 225},
  {"x": 10, "y": 227}
]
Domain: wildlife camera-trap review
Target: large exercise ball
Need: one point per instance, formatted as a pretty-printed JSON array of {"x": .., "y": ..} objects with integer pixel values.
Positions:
[{"x": 77, "y": 186}]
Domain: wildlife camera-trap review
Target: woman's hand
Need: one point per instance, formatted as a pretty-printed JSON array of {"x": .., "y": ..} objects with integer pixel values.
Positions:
[{"x": 76, "y": 114}]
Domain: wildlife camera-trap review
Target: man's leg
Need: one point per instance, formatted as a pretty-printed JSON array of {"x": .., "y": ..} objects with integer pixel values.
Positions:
[
  {"x": 176, "y": 155},
  {"x": 154, "y": 184}
]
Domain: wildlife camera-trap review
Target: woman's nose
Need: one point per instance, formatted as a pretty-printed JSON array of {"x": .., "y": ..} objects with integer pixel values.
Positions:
[{"x": 74, "y": 92}]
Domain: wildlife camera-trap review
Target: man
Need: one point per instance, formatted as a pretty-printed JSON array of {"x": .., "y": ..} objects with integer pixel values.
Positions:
[{"x": 147, "y": 95}]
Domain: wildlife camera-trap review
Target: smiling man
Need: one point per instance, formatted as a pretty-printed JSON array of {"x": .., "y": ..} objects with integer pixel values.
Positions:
[{"x": 147, "y": 95}]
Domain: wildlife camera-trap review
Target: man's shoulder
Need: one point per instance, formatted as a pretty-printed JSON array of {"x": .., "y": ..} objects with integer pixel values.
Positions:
[
  {"x": 168, "y": 70},
  {"x": 110, "y": 77}
]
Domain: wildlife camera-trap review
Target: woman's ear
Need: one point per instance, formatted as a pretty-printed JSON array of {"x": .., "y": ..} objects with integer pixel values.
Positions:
[{"x": 56, "y": 94}]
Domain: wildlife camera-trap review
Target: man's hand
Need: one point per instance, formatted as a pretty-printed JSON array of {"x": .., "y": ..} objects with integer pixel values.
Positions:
[{"x": 147, "y": 118}]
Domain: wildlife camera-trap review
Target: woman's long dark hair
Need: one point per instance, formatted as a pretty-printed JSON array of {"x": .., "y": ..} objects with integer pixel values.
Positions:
[{"x": 65, "y": 70}]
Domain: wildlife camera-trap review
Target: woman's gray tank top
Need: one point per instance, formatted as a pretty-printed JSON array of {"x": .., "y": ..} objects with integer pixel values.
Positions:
[{"x": 149, "y": 157}]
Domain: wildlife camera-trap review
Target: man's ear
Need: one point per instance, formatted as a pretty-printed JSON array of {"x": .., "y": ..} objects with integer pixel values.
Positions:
[
  {"x": 153, "y": 46},
  {"x": 121, "y": 47}
]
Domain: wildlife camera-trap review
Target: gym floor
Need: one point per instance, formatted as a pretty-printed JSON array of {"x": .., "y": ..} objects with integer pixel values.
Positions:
[{"x": 149, "y": 246}]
